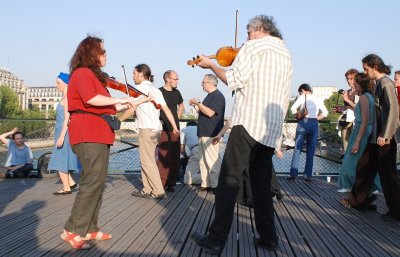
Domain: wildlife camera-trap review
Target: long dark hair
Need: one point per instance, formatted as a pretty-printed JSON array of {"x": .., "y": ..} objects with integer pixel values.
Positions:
[
  {"x": 87, "y": 55},
  {"x": 376, "y": 62},
  {"x": 145, "y": 70}
]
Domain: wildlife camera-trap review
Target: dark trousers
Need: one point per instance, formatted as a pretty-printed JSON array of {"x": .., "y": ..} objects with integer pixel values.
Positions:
[
  {"x": 242, "y": 152},
  {"x": 245, "y": 194},
  {"x": 21, "y": 172},
  {"x": 381, "y": 159},
  {"x": 168, "y": 158},
  {"x": 85, "y": 210}
]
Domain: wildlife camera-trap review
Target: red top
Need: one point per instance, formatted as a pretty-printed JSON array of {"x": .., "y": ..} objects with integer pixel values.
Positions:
[{"x": 84, "y": 127}]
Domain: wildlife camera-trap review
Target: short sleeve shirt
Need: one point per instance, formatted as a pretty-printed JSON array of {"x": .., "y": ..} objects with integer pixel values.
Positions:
[
  {"x": 148, "y": 117},
  {"x": 211, "y": 126},
  {"x": 86, "y": 127},
  {"x": 18, "y": 156},
  {"x": 173, "y": 99}
]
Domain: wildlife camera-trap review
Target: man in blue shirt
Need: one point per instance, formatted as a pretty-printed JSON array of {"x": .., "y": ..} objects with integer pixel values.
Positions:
[
  {"x": 210, "y": 122},
  {"x": 19, "y": 156}
]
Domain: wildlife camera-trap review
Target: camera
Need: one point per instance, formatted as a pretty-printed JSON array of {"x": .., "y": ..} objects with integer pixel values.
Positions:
[{"x": 341, "y": 91}]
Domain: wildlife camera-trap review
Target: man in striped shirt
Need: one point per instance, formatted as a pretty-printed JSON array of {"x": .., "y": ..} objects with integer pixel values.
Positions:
[{"x": 260, "y": 76}]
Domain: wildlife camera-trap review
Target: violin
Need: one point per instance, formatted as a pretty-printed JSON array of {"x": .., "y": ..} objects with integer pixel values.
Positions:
[
  {"x": 128, "y": 89},
  {"x": 224, "y": 56}
]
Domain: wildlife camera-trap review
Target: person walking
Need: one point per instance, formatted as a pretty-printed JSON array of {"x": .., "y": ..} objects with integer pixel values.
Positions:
[
  {"x": 364, "y": 112},
  {"x": 307, "y": 130},
  {"x": 380, "y": 154}
]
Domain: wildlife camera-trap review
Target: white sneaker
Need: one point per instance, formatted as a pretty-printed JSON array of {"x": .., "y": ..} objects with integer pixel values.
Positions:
[
  {"x": 375, "y": 192},
  {"x": 344, "y": 190}
]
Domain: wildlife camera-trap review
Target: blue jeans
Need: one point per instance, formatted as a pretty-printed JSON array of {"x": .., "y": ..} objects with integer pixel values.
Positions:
[{"x": 307, "y": 130}]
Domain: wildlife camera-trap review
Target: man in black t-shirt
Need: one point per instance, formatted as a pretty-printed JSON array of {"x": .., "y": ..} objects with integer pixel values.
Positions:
[
  {"x": 210, "y": 122},
  {"x": 169, "y": 143}
]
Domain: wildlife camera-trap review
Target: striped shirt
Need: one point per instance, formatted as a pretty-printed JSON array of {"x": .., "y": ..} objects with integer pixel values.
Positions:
[{"x": 261, "y": 76}]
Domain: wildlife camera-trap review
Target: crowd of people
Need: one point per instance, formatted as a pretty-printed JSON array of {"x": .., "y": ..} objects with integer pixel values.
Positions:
[{"x": 260, "y": 79}]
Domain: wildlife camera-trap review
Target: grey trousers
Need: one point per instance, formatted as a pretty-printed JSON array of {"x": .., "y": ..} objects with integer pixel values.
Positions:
[{"x": 85, "y": 210}]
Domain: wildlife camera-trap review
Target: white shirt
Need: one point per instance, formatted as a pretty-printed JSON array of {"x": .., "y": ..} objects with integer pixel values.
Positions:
[
  {"x": 314, "y": 105},
  {"x": 147, "y": 116},
  {"x": 261, "y": 76}
]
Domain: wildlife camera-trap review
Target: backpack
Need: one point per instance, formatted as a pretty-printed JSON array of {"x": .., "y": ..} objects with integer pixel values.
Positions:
[{"x": 42, "y": 164}]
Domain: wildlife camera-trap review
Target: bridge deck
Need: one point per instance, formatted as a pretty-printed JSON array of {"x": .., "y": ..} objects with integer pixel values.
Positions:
[{"x": 310, "y": 221}]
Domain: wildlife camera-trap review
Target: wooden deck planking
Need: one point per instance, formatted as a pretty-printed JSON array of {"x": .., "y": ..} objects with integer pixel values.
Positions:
[{"x": 310, "y": 221}]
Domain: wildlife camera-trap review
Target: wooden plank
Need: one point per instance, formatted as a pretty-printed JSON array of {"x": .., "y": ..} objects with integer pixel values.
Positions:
[
  {"x": 246, "y": 232},
  {"x": 200, "y": 224},
  {"x": 310, "y": 221}
]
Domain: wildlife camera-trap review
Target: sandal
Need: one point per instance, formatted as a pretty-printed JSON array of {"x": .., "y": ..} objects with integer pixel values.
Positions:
[
  {"x": 75, "y": 240},
  {"x": 62, "y": 192},
  {"x": 99, "y": 236},
  {"x": 346, "y": 203}
]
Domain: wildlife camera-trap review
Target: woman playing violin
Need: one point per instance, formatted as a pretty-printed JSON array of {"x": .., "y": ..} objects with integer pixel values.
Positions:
[{"x": 90, "y": 138}]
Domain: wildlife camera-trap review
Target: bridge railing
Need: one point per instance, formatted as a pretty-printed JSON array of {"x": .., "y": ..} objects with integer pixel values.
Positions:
[{"x": 124, "y": 157}]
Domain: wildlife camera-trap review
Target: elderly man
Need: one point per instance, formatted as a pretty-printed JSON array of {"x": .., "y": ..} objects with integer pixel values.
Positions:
[
  {"x": 210, "y": 122},
  {"x": 260, "y": 76}
]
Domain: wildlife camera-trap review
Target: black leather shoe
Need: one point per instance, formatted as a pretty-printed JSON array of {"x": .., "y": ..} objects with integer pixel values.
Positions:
[
  {"x": 73, "y": 186},
  {"x": 291, "y": 178},
  {"x": 272, "y": 245},
  {"x": 170, "y": 189},
  {"x": 389, "y": 217},
  {"x": 205, "y": 243}
]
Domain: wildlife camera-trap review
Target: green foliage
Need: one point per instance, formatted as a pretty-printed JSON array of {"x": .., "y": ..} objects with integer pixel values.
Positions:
[
  {"x": 51, "y": 114},
  {"x": 9, "y": 107},
  {"x": 289, "y": 115}
]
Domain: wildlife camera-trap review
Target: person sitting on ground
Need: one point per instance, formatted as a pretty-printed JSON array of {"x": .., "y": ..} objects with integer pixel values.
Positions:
[{"x": 19, "y": 162}]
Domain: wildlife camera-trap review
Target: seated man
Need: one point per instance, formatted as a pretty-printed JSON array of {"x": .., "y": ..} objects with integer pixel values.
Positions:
[
  {"x": 19, "y": 156},
  {"x": 189, "y": 138}
]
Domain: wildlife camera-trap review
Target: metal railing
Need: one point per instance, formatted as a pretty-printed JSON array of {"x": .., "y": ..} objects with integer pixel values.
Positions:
[{"x": 124, "y": 157}]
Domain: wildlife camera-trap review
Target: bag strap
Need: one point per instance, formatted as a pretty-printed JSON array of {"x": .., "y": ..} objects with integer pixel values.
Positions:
[{"x": 305, "y": 101}]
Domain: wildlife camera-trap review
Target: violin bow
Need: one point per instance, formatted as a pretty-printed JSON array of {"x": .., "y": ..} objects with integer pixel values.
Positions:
[
  {"x": 236, "y": 29},
  {"x": 126, "y": 81},
  {"x": 126, "y": 84}
]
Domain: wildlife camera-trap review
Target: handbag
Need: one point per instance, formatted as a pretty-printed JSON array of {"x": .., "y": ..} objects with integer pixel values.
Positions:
[
  {"x": 343, "y": 124},
  {"x": 303, "y": 112},
  {"x": 112, "y": 121}
]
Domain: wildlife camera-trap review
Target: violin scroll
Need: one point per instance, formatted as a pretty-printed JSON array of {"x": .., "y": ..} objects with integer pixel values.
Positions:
[{"x": 194, "y": 62}]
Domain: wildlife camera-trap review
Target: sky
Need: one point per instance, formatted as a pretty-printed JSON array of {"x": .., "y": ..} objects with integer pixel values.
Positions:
[{"x": 325, "y": 38}]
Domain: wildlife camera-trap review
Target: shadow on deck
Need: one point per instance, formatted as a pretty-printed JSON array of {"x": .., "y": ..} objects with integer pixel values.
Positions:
[{"x": 310, "y": 221}]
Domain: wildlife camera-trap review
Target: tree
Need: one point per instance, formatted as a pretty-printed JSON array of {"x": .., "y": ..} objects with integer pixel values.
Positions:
[{"x": 9, "y": 107}]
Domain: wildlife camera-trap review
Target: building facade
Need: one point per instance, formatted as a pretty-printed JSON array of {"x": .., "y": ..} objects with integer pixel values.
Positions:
[
  {"x": 45, "y": 98},
  {"x": 16, "y": 84}
]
